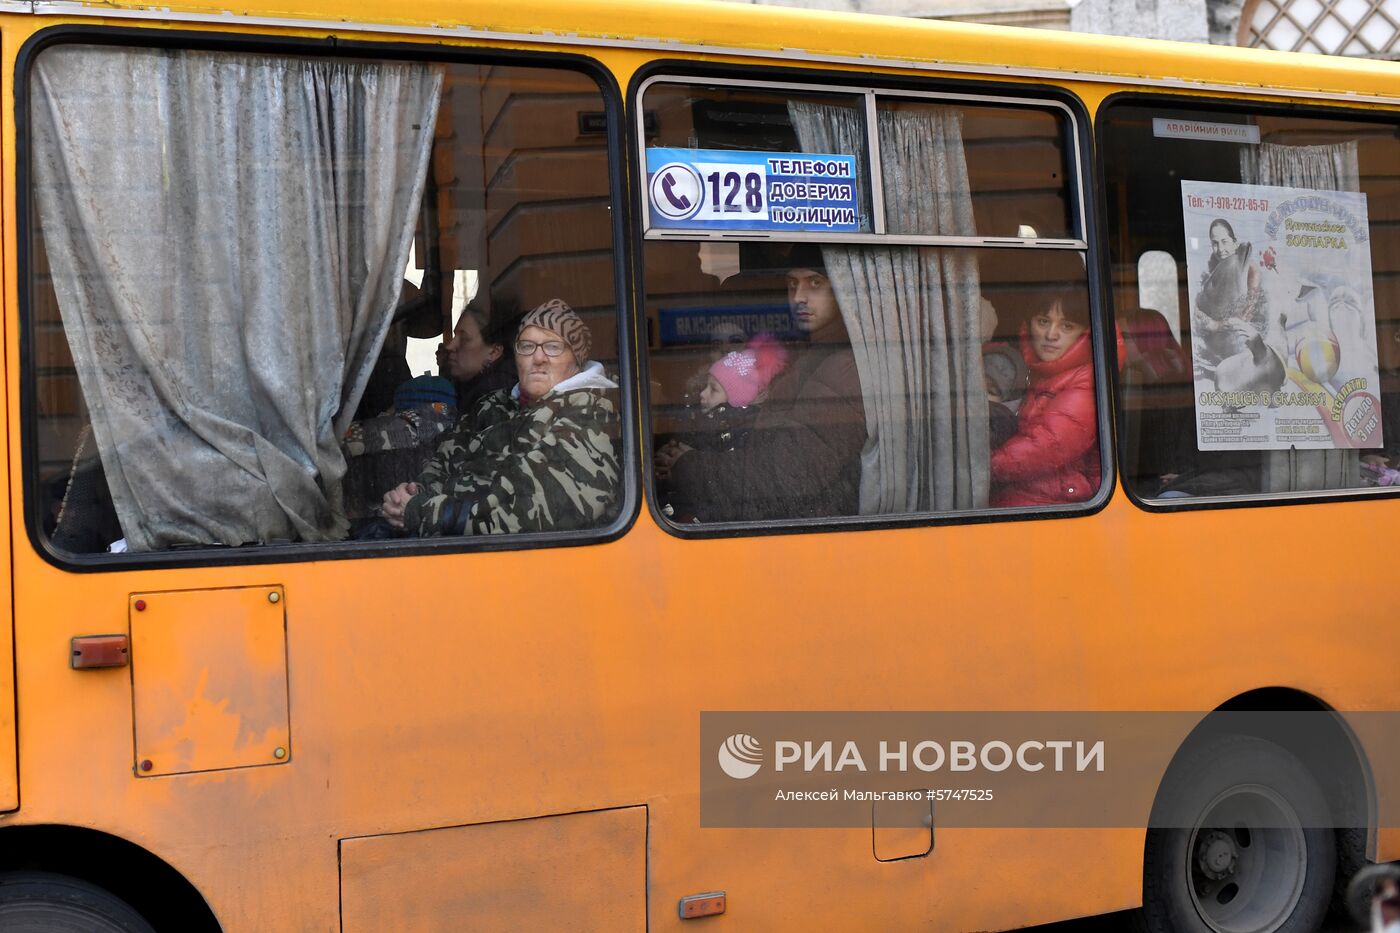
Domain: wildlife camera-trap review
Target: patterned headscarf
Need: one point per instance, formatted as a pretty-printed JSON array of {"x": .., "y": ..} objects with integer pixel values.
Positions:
[{"x": 554, "y": 315}]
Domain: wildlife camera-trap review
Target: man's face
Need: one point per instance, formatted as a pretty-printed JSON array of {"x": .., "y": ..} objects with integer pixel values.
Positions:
[{"x": 812, "y": 302}]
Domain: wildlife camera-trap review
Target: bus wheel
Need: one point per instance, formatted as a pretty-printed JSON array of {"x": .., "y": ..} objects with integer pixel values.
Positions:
[
  {"x": 41, "y": 902},
  {"x": 1257, "y": 857}
]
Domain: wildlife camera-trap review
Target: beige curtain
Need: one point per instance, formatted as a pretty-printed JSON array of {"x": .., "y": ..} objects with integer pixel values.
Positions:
[
  {"x": 1326, "y": 168},
  {"x": 913, "y": 314},
  {"x": 227, "y": 235}
]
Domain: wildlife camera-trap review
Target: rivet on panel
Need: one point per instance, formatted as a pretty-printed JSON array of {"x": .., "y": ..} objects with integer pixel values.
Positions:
[
  {"x": 279, "y": 753},
  {"x": 139, "y": 605},
  {"x": 274, "y": 597},
  {"x": 146, "y": 764}
]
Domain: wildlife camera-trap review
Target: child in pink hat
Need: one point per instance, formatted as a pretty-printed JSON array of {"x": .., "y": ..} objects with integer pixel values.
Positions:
[
  {"x": 741, "y": 377},
  {"x": 737, "y": 384}
]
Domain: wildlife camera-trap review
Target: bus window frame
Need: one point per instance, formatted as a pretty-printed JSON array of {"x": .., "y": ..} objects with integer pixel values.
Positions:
[
  {"x": 1234, "y": 106},
  {"x": 328, "y": 48},
  {"x": 786, "y": 78}
]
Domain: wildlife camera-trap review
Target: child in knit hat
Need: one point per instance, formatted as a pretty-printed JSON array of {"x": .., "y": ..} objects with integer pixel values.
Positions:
[
  {"x": 424, "y": 407},
  {"x": 397, "y": 443},
  {"x": 737, "y": 384},
  {"x": 741, "y": 378}
]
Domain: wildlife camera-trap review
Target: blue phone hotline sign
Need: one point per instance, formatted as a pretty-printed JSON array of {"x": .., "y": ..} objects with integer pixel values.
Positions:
[{"x": 721, "y": 189}]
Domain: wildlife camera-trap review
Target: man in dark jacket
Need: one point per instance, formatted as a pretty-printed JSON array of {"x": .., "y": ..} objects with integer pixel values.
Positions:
[{"x": 803, "y": 456}]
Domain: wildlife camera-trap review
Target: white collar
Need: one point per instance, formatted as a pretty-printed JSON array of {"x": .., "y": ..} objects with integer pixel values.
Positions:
[{"x": 590, "y": 377}]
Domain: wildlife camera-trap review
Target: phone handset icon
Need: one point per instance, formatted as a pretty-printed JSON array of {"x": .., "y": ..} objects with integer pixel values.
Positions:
[
  {"x": 676, "y": 192},
  {"x": 668, "y": 187}
]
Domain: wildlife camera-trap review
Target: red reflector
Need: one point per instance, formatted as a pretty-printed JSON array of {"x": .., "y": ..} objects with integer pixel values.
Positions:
[
  {"x": 99, "y": 651},
  {"x": 702, "y": 905}
]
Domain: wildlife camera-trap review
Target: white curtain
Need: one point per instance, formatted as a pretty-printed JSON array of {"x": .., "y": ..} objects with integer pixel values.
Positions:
[
  {"x": 913, "y": 314},
  {"x": 227, "y": 235},
  {"x": 1326, "y": 168}
]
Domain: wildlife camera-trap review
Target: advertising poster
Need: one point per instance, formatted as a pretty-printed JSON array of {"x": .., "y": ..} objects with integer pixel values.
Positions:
[
  {"x": 722, "y": 189},
  {"x": 1283, "y": 318}
]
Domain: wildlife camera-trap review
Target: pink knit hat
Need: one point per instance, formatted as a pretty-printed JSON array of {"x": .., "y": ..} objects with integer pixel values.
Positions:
[{"x": 745, "y": 373}]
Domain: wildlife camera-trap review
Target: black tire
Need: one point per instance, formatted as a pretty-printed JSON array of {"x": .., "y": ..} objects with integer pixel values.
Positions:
[
  {"x": 1240, "y": 842},
  {"x": 1351, "y": 859},
  {"x": 40, "y": 902}
]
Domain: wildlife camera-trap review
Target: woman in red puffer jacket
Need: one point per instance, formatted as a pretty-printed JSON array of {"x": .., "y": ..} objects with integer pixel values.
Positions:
[{"x": 1053, "y": 458}]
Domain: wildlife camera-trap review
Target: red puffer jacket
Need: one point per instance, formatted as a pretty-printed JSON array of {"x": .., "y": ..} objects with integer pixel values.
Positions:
[{"x": 1053, "y": 458}]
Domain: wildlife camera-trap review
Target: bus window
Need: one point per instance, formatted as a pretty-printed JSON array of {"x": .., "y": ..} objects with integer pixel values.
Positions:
[
  {"x": 232, "y": 254},
  {"x": 844, "y": 368},
  {"x": 1016, "y": 160},
  {"x": 1280, "y": 228}
]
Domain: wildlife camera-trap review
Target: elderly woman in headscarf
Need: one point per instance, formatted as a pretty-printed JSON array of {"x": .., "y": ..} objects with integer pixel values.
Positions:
[{"x": 537, "y": 457}]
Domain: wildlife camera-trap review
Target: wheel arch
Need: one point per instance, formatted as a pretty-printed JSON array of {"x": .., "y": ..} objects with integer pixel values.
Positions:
[
  {"x": 1340, "y": 767},
  {"x": 142, "y": 879}
]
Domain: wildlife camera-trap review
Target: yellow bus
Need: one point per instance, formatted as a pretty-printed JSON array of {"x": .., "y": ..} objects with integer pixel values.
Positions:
[{"x": 880, "y": 389}]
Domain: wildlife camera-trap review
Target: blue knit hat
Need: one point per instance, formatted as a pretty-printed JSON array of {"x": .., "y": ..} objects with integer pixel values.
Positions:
[{"x": 424, "y": 390}]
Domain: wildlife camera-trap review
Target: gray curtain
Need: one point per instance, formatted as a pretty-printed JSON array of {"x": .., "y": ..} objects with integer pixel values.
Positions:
[
  {"x": 1326, "y": 168},
  {"x": 227, "y": 236},
  {"x": 913, "y": 314}
]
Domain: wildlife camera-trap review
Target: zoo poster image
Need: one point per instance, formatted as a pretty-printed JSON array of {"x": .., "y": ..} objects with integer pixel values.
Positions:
[{"x": 1283, "y": 321}]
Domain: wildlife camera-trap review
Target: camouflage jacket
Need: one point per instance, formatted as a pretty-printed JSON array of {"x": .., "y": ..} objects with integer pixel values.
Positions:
[{"x": 507, "y": 467}]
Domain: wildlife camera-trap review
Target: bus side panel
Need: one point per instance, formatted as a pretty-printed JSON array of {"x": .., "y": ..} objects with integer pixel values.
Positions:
[
  {"x": 9, "y": 745},
  {"x": 1387, "y": 844},
  {"x": 9, "y": 749},
  {"x": 582, "y": 870},
  {"x": 9, "y": 756}
]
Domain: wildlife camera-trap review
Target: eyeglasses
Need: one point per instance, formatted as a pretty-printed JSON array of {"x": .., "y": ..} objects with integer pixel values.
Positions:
[{"x": 550, "y": 347}]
